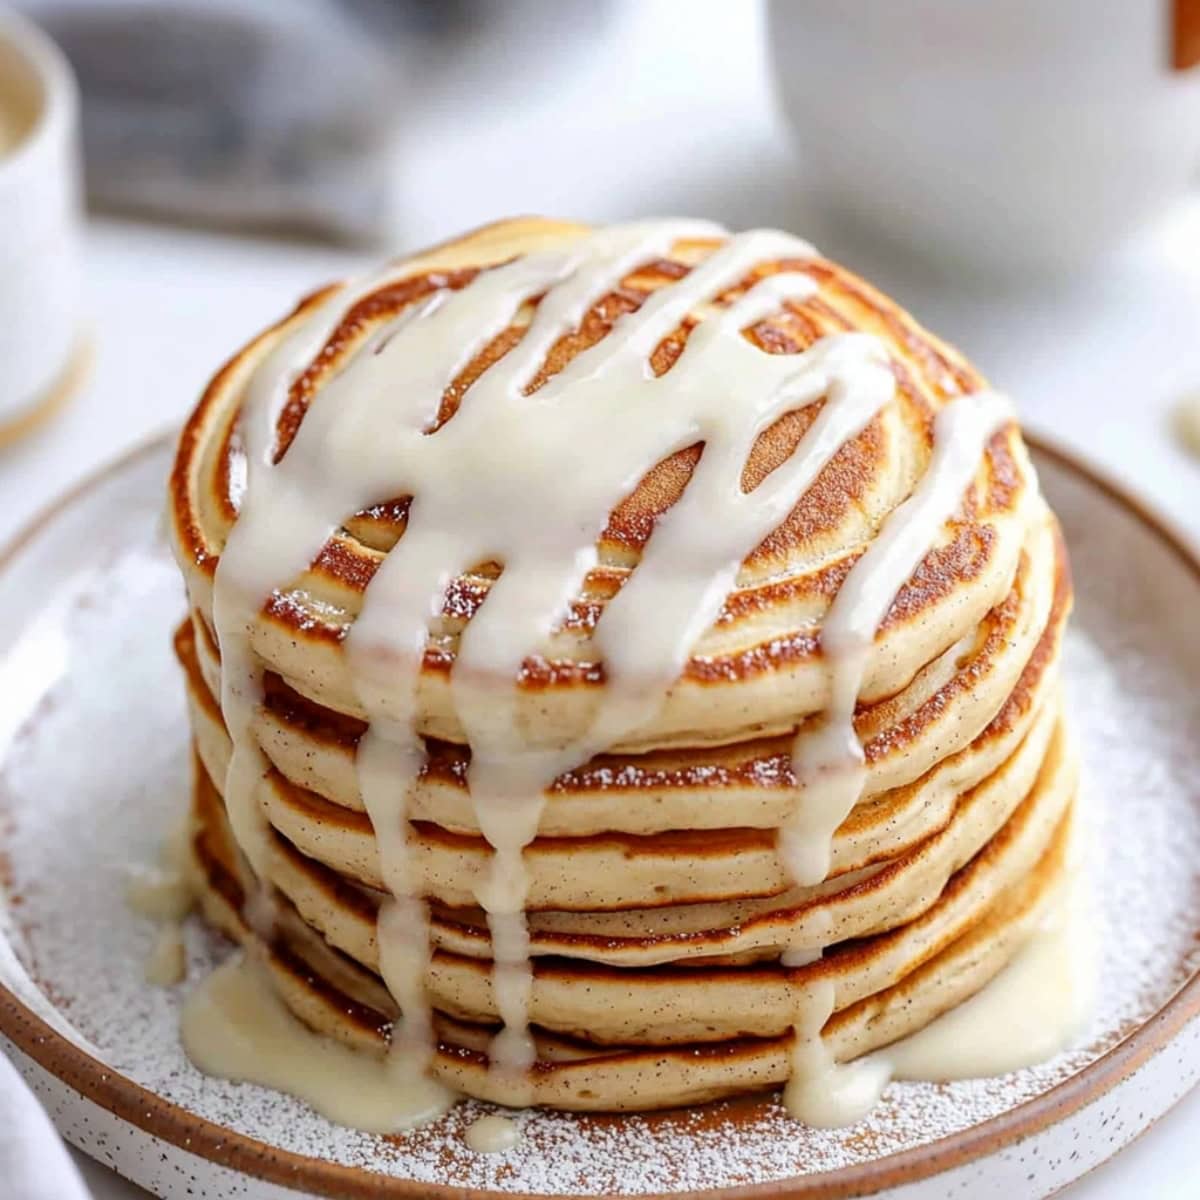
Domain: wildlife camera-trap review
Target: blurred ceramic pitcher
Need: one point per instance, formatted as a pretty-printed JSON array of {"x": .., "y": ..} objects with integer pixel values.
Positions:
[{"x": 1000, "y": 133}]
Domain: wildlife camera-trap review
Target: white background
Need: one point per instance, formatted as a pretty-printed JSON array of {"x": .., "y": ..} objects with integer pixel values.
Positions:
[{"x": 667, "y": 108}]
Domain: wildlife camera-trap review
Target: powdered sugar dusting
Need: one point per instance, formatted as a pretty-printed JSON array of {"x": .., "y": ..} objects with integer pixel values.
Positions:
[{"x": 95, "y": 775}]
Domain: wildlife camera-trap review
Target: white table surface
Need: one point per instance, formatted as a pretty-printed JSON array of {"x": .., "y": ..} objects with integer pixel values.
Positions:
[{"x": 1097, "y": 364}]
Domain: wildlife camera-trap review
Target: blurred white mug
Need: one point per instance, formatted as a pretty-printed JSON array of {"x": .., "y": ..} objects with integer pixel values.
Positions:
[
  {"x": 1002, "y": 133},
  {"x": 40, "y": 222}
]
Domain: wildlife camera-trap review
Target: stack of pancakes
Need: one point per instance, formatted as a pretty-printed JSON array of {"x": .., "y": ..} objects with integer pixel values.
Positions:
[{"x": 659, "y": 910}]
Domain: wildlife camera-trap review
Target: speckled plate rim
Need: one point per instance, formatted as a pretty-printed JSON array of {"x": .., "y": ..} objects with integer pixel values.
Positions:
[{"x": 168, "y": 1122}]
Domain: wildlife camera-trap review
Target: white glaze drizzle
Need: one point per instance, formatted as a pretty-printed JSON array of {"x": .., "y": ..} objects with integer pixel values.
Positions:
[
  {"x": 165, "y": 893},
  {"x": 828, "y": 761},
  {"x": 162, "y": 895},
  {"x": 1037, "y": 1006},
  {"x": 166, "y": 964},
  {"x": 235, "y": 1025},
  {"x": 820, "y": 1091},
  {"x": 538, "y": 507},
  {"x": 492, "y": 1134}
]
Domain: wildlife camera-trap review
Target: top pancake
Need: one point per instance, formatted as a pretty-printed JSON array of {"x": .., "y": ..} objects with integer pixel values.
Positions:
[{"x": 758, "y": 670}]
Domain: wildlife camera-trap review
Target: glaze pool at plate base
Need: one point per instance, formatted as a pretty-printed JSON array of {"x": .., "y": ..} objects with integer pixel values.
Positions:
[{"x": 94, "y": 670}]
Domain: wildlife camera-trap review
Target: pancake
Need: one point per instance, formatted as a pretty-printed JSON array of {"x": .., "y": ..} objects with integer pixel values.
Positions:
[
  {"x": 622, "y": 665},
  {"x": 761, "y": 658}
]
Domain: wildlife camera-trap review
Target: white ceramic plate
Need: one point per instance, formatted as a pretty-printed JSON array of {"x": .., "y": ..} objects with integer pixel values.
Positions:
[{"x": 93, "y": 767}]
